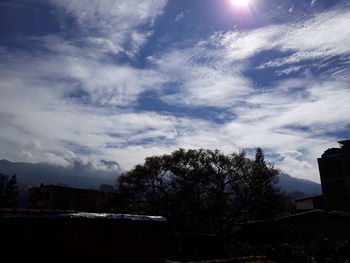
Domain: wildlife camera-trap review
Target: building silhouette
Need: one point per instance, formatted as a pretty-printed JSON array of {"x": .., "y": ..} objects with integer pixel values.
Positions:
[
  {"x": 334, "y": 167},
  {"x": 57, "y": 236},
  {"x": 53, "y": 197},
  {"x": 309, "y": 203}
]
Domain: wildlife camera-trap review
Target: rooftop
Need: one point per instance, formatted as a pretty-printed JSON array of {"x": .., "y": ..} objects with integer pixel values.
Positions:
[
  {"x": 250, "y": 259},
  {"x": 308, "y": 198},
  {"x": 345, "y": 143},
  {"x": 66, "y": 214}
]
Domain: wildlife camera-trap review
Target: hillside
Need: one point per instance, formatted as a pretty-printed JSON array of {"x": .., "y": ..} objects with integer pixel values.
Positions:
[
  {"x": 78, "y": 175},
  {"x": 291, "y": 184}
]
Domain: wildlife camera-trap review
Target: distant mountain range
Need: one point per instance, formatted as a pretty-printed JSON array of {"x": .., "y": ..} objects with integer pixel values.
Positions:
[
  {"x": 84, "y": 175},
  {"x": 79, "y": 174},
  {"x": 298, "y": 187}
]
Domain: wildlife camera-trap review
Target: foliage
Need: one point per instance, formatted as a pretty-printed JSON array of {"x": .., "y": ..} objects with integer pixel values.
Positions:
[
  {"x": 9, "y": 193},
  {"x": 204, "y": 191},
  {"x": 322, "y": 250}
]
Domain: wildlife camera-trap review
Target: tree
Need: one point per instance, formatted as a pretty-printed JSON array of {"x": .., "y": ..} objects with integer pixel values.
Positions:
[
  {"x": 204, "y": 190},
  {"x": 9, "y": 193},
  {"x": 259, "y": 156},
  {"x": 265, "y": 198}
]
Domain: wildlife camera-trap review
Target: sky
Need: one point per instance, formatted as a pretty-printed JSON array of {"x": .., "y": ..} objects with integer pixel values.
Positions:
[{"x": 120, "y": 80}]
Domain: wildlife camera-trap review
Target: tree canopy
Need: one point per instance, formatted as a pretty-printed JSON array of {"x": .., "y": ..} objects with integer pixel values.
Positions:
[
  {"x": 204, "y": 190},
  {"x": 9, "y": 192}
]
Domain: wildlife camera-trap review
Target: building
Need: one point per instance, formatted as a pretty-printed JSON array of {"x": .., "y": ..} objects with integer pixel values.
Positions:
[
  {"x": 107, "y": 188},
  {"x": 334, "y": 167},
  {"x": 53, "y": 197},
  {"x": 249, "y": 259},
  {"x": 309, "y": 203}
]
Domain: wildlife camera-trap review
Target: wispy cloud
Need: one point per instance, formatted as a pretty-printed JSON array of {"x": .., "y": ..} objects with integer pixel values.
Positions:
[
  {"x": 70, "y": 99},
  {"x": 204, "y": 76},
  {"x": 55, "y": 103},
  {"x": 69, "y": 95},
  {"x": 295, "y": 114},
  {"x": 323, "y": 36},
  {"x": 180, "y": 16},
  {"x": 114, "y": 25}
]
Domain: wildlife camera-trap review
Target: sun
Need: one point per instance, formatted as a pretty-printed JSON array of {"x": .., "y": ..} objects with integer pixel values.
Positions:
[{"x": 242, "y": 3}]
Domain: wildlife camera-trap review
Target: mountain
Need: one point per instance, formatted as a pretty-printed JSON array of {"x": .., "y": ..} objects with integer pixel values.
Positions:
[
  {"x": 85, "y": 175},
  {"x": 291, "y": 184},
  {"x": 79, "y": 174}
]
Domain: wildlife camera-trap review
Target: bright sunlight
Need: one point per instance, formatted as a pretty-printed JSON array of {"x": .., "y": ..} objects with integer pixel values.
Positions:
[{"x": 242, "y": 3}]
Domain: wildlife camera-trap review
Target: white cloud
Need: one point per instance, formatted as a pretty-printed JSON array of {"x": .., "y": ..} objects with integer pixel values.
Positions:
[
  {"x": 54, "y": 106},
  {"x": 207, "y": 87},
  {"x": 104, "y": 83},
  {"x": 327, "y": 34},
  {"x": 32, "y": 145},
  {"x": 42, "y": 124},
  {"x": 205, "y": 76},
  {"x": 61, "y": 126},
  {"x": 179, "y": 16},
  {"x": 55, "y": 159},
  {"x": 210, "y": 72},
  {"x": 280, "y": 120},
  {"x": 298, "y": 165},
  {"x": 69, "y": 155},
  {"x": 28, "y": 156},
  {"x": 44, "y": 119},
  {"x": 296, "y": 57},
  {"x": 293, "y": 115},
  {"x": 114, "y": 24},
  {"x": 242, "y": 45},
  {"x": 291, "y": 69}
]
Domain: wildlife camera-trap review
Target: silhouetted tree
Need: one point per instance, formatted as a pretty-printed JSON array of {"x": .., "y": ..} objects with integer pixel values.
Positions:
[
  {"x": 204, "y": 190},
  {"x": 265, "y": 197},
  {"x": 9, "y": 193},
  {"x": 259, "y": 156},
  {"x": 2, "y": 187}
]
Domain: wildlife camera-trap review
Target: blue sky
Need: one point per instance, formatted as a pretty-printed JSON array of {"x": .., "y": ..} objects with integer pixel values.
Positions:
[{"x": 122, "y": 80}]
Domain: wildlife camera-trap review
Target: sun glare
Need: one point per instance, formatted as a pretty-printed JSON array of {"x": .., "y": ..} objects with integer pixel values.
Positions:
[{"x": 240, "y": 2}]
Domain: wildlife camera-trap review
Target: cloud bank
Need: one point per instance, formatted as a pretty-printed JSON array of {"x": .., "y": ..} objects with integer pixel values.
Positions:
[{"x": 73, "y": 98}]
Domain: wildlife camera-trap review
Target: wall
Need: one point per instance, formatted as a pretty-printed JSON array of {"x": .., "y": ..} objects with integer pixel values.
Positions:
[
  {"x": 307, "y": 204},
  {"x": 60, "y": 239}
]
